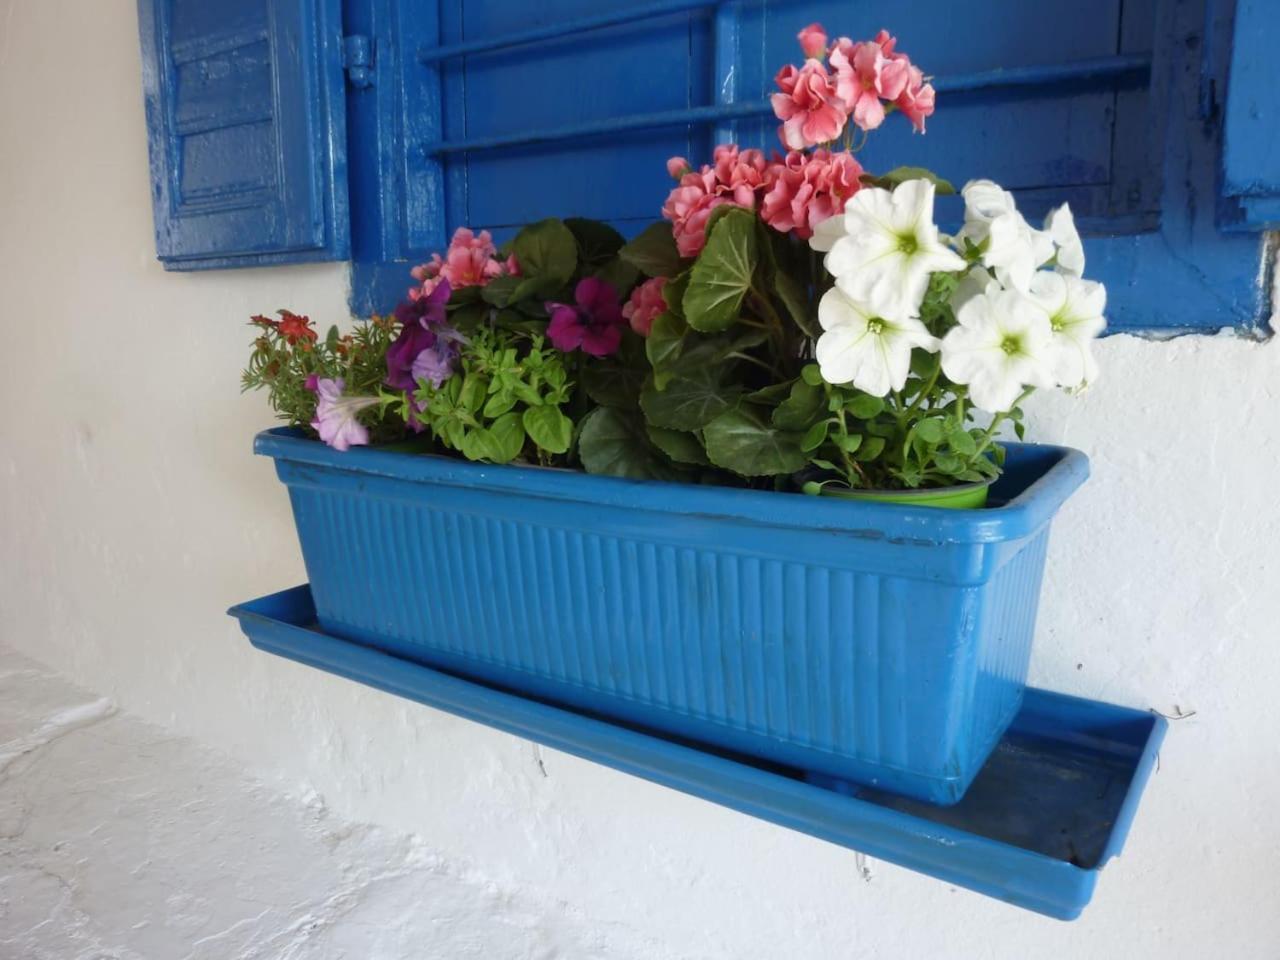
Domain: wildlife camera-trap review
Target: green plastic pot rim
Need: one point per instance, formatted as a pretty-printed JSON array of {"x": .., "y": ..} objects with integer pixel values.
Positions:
[{"x": 971, "y": 495}]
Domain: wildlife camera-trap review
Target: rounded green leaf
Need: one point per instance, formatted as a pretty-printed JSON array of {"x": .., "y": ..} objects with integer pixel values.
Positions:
[
  {"x": 613, "y": 442},
  {"x": 681, "y": 446},
  {"x": 723, "y": 272},
  {"x": 548, "y": 428},
  {"x": 864, "y": 406},
  {"x": 654, "y": 251},
  {"x": 741, "y": 441},
  {"x": 815, "y": 436}
]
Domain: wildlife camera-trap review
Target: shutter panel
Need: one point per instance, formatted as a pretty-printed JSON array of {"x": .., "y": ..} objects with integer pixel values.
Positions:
[
  {"x": 246, "y": 131},
  {"x": 1251, "y": 155}
]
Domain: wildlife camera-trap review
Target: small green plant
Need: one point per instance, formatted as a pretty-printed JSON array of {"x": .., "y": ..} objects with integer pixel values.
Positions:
[{"x": 504, "y": 403}]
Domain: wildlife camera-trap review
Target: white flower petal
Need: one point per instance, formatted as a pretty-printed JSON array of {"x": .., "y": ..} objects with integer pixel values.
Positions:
[
  {"x": 826, "y": 233},
  {"x": 1060, "y": 225}
]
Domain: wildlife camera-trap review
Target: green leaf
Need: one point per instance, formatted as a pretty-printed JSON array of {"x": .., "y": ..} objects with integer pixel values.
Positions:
[
  {"x": 498, "y": 404},
  {"x": 722, "y": 273},
  {"x": 781, "y": 281},
  {"x": 695, "y": 394},
  {"x": 849, "y": 443},
  {"x": 654, "y": 251},
  {"x": 930, "y": 430},
  {"x": 864, "y": 406},
  {"x": 962, "y": 443},
  {"x": 812, "y": 375},
  {"x": 547, "y": 427},
  {"x": 815, "y": 436},
  {"x": 871, "y": 448},
  {"x": 743, "y": 442},
  {"x": 474, "y": 390},
  {"x": 547, "y": 252},
  {"x": 679, "y": 445},
  {"x": 771, "y": 395},
  {"x": 597, "y": 242},
  {"x": 902, "y": 174},
  {"x": 498, "y": 291},
  {"x": 664, "y": 345},
  {"x": 673, "y": 293},
  {"x": 501, "y": 442},
  {"x": 616, "y": 382},
  {"x": 619, "y": 274},
  {"x": 614, "y": 443},
  {"x": 801, "y": 408}
]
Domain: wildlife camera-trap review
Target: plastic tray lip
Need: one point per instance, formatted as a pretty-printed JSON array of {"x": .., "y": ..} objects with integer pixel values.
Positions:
[
  {"x": 1023, "y": 515},
  {"x": 283, "y": 624}
]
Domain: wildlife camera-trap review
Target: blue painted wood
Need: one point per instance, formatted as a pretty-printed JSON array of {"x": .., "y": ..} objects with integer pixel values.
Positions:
[
  {"x": 1112, "y": 106},
  {"x": 246, "y": 131},
  {"x": 1053, "y": 805},
  {"x": 1251, "y": 154}
]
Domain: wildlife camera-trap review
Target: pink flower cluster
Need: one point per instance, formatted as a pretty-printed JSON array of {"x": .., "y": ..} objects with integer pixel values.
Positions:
[
  {"x": 736, "y": 176},
  {"x": 471, "y": 261},
  {"x": 793, "y": 193},
  {"x": 645, "y": 304},
  {"x": 855, "y": 84}
]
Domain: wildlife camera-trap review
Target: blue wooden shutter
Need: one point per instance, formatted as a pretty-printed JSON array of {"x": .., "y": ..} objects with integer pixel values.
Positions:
[
  {"x": 246, "y": 131},
  {"x": 1251, "y": 154},
  {"x": 510, "y": 111}
]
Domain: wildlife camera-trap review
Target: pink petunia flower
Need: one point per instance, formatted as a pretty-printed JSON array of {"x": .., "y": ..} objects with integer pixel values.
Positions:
[
  {"x": 335, "y": 418},
  {"x": 646, "y": 302},
  {"x": 917, "y": 99},
  {"x": 593, "y": 323},
  {"x": 867, "y": 73},
  {"x": 808, "y": 189},
  {"x": 809, "y": 106}
]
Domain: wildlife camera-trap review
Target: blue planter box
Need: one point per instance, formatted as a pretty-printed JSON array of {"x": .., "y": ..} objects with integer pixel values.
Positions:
[{"x": 873, "y": 642}]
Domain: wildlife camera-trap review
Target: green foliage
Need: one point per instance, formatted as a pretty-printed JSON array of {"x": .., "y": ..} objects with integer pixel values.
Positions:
[
  {"x": 547, "y": 252},
  {"x": 899, "y": 175},
  {"x": 653, "y": 252},
  {"x": 284, "y": 357},
  {"x": 506, "y": 400},
  {"x": 723, "y": 272}
]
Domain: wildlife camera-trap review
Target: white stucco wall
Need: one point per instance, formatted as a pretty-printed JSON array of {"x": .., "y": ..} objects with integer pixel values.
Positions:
[{"x": 132, "y": 514}]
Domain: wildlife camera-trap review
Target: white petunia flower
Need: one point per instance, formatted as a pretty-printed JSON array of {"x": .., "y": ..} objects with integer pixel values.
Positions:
[
  {"x": 977, "y": 280},
  {"x": 862, "y": 347},
  {"x": 890, "y": 247},
  {"x": 1075, "y": 309},
  {"x": 1060, "y": 225},
  {"x": 1000, "y": 345},
  {"x": 826, "y": 233},
  {"x": 1010, "y": 246}
]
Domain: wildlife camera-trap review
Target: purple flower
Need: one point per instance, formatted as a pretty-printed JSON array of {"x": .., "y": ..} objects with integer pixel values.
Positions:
[
  {"x": 594, "y": 324},
  {"x": 336, "y": 415},
  {"x": 417, "y": 319}
]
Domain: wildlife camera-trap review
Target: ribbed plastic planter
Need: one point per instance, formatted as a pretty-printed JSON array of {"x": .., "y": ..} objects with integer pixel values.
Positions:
[{"x": 876, "y": 642}]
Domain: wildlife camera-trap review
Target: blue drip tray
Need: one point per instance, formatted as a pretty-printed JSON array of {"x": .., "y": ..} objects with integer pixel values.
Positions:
[{"x": 1052, "y": 805}]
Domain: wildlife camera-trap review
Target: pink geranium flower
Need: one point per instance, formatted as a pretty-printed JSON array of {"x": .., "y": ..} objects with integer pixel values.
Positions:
[
  {"x": 646, "y": 302},
  {"x": 740, "y": 173},
  {"x": 917, "y": 99},
  {"x": 471, "y": 260},
  {"x": 866, "y": 74},
  {"x": 689, "y": 205},
  {"x": 813, "y": 41},
  {"x": 593, "y": 323},
  {"x": 808, "y": 106},
  {"x": 808, "y": 189}
]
